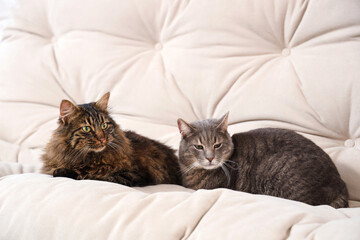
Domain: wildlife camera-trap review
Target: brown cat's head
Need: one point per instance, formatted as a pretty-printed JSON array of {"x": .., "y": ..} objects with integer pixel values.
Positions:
[
  {"x": 205, "y": 144},
  {"x": 87, "y": 127}
]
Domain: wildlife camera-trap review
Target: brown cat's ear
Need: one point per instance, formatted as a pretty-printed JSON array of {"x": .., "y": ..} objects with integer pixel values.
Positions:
[
  {"x": 184, "y": 128},
  {"x": 223, "y": 125},
  {"x": 103, "y": 102},
  {"x": 66, "y": 109}
]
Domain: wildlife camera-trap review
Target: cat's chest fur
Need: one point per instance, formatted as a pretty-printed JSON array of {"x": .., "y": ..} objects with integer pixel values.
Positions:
[
  {"x": 101, "y": 164},
  {"x": 206, "y": 179}
]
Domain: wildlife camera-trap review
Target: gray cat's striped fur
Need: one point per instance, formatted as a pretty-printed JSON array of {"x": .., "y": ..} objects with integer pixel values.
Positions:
[{"x": 268, "y": 161}]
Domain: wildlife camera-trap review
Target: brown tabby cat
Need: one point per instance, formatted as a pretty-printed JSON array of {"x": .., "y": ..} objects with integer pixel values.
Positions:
[
  {"x": 88, "y": 144},
  {"x": 268, "y": 161}
]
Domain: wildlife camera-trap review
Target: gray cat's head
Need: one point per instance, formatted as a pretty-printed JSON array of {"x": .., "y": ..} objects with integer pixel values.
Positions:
[{"x": 205, "y": 144}]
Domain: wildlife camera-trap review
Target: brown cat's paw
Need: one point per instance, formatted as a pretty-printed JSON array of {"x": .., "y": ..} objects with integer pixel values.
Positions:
[
  {"x": 128, "y": 178},
  {"x": 64, "y": 172}
]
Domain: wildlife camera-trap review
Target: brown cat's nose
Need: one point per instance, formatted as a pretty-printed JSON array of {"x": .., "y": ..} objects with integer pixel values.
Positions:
[
  {"x": 102, "y": 140},
  {"x": 210, "y": 158}
]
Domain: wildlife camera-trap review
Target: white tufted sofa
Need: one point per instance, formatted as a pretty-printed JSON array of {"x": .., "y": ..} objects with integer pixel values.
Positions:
[{"x": 291, "y": 64}]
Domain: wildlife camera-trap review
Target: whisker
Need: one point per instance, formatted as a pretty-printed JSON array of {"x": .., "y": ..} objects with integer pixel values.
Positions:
[
  {"x": 117, "y": 145},
  {"x": 73, "y": 160},
  {"x": 229, "y": 164},
  {"x": 227, "y": 173},
  {"x": 231, "y": 161},
  {"x": 114, "y": 146},
  {"x": 71, "y": 154},
  {"x": 87, "y": 149},
  {"x": 188, "y": 169}
]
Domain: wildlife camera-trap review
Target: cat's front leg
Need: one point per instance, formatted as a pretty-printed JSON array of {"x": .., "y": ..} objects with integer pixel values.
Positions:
[
  {"x": 128, "y": 178},
  {"x": 65, "y": 172}
]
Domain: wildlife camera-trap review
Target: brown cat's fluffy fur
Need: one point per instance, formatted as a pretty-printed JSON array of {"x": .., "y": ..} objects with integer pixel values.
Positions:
[{"x": 88, "y": 144}]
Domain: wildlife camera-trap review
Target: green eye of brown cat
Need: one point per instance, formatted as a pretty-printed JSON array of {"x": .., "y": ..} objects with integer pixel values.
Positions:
[
  {"x": 217, "y": 145},
  {"x": 104, "y": 126},
  {"x": 86, "y": 129},
  {"x": 199, "y": 147}
]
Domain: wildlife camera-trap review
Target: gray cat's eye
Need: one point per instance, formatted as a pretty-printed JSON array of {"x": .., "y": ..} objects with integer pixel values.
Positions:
[
  {"x": 217, "y": 145},
  {"x": 199, "y": 147}
]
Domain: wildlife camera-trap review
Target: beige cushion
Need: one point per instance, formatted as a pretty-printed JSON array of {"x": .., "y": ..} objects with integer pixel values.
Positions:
[{"x": 69, "y": 209}]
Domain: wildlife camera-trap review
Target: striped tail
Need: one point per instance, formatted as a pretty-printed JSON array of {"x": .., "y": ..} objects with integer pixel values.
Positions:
[{"x": 340, "y": 202}]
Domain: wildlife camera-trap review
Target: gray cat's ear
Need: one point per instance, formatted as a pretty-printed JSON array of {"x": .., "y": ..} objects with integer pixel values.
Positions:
[
  {"x": 103, "y": 102},
  {"x": 184, "y": 128},
  {"x": 66, "y": 109},
  {"x": 223, "y": 122}
]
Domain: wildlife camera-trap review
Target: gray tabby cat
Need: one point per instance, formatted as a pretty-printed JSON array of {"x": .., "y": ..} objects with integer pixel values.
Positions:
[{"x": 268, "y": 161}]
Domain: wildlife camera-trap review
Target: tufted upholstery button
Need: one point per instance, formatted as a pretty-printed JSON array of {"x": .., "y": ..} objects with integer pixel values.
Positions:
[
  {"x": 158, "y": 46},
  {"x": 285, "y": 52},
  {"x": 349, "y": 143}
]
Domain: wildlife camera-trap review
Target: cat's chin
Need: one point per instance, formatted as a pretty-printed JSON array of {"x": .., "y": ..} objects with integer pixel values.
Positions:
[
  {"x": 99, "y": 149},
  {"x": 206, "y": 166},
  {"x": 210, "y": 167}
]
